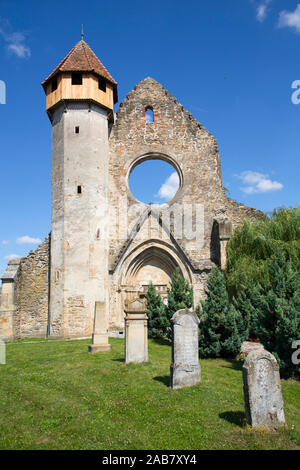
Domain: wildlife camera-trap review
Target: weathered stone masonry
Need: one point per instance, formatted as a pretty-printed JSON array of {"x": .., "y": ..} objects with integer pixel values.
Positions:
[{"x": 30, "y": 285}]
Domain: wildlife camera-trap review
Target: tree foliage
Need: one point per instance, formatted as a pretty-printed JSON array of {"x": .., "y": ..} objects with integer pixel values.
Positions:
[
  {"x": 157, "y": 319},
  {"x": 180, "y": 295},
  {"x": 253, "y": 244},
  {"x": 263, "y": 279},
  {"x": 275, "y": 310},
  {"x": 222, "y": 327}
]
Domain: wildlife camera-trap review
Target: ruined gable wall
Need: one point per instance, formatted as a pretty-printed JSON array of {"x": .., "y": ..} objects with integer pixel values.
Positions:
[
  {"x": 237, "y": 213},
  {"x": 179, "y": 138},
  {"x": 176, "y": 134},
  {"x": 31, "y": 294}
]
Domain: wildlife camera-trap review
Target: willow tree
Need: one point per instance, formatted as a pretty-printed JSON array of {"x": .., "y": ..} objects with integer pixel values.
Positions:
[
  {"x": 253, "y": 244},
  {"x": 263, "y": 279}
]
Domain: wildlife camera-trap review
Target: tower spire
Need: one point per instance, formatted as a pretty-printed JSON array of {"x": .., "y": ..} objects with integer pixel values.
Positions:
[{"x": 82, "y": 32}]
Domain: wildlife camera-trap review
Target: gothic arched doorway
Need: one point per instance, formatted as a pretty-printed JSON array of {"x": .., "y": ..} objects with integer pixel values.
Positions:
[{"x": 156, "y": 264}]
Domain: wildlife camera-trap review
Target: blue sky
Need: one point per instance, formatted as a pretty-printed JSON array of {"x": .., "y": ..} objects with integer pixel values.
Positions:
[{"x": 230, "y": 63}]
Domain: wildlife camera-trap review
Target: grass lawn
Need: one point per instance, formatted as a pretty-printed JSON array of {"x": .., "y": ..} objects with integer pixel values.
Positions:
[{"x": 56, "y": 395}]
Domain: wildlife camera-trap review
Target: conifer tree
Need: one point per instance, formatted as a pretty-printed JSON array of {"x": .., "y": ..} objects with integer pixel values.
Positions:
[
  {"x": 222, "y": 327},
  {"x": 179, "y": 296},
  {"x": 275, "y": 311},
  {"x": 156, "y": 311}
]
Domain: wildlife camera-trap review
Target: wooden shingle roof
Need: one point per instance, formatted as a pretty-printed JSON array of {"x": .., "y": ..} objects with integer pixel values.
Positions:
[{"x": 82, "y": 59}]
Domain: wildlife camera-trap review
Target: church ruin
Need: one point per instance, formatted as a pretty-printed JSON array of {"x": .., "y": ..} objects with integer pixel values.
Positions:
[{"x": 90, "y": 256}]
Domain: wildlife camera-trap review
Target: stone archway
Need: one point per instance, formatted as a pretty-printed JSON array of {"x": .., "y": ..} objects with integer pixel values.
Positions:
[
  {"x": 151, "y": 265},
  {"x": 154, "y": 262}
]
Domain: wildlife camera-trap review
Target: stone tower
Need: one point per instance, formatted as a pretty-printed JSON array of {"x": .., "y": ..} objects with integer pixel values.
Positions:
[{"x": 80, "y": 98}]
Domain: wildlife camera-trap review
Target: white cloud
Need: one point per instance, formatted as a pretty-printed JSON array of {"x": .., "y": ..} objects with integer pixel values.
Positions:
[
  {"x": 5, "y": 242},
  {"x": 15, "y": 40},
  {"x": 169, "y": 187},
  {"x": 262, "y": 10},
  {"x": 20, "y": 50},
  {"x": 290, "y": 19},
  {"x": 27, "y": 239},
  {"x": 255, "y": 182},
  {"x": 149, "y": 115},
  {"x": 10, "y": 257}
]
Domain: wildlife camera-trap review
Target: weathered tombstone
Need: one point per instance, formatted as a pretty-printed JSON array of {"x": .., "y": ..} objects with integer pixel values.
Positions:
[
  {"x": 262, "y": 390},
  {"x": 2, "y": 352},
  {"x": 247, "y": 347},
  {"x": 185, "y": 368},
  {"x": 136, "y": 332},
  {"x": 100, "y": 333}
]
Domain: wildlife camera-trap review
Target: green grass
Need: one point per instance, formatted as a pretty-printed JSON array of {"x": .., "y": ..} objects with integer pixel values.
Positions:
[{"x": 56, "y": 395}]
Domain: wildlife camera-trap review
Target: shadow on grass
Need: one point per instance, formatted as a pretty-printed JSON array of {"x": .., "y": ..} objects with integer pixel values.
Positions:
[
  {"x": 161, "y": 341},
  {"x": 234, "y": 417},
  {"x": 165, "y": 379},
  {"x": 236, "y": 365},
  {"x": 120, "y": 359}
]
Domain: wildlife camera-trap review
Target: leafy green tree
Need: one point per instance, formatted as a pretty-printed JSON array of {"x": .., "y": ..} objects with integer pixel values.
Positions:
[
  {"x": 263, "y": 280},
  {"x": 222, "y": 327},
  {"x": 157, "y": 319},
  {"x": 253, "y": 244}
]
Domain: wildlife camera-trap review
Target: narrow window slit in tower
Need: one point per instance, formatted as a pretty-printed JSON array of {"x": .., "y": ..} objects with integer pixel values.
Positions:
[
  {"x": 79, "y": 191},
  {"x": 77, "y": 130}
]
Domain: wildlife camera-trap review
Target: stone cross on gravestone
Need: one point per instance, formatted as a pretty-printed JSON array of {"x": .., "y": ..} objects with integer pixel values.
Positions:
[
  {"x": 136, "y": 332},
  {"x": 262, "y": 390},
  {"x": 185, "y": 368}
]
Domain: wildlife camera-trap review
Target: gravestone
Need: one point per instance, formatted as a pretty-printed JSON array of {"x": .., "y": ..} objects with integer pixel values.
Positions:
[
  {"x": 247, "y": 347},
  {"x": 2, "y": 352},
  {"x": 185, "y": 368},
  {"x": 262, "y": 390},
  {"x": 136, "y": 332},
  {"x": 100, "y": 333}
]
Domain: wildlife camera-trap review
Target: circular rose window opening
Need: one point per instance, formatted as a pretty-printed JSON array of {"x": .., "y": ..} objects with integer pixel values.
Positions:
[{"x": 154, "y": 181}]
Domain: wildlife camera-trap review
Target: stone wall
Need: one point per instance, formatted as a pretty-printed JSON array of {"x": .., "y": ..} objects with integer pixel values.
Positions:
[
  {"x": 7, "y": 301},
  {"x": 31, "y": 294},
  {"x": 237, "y": 212}
]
